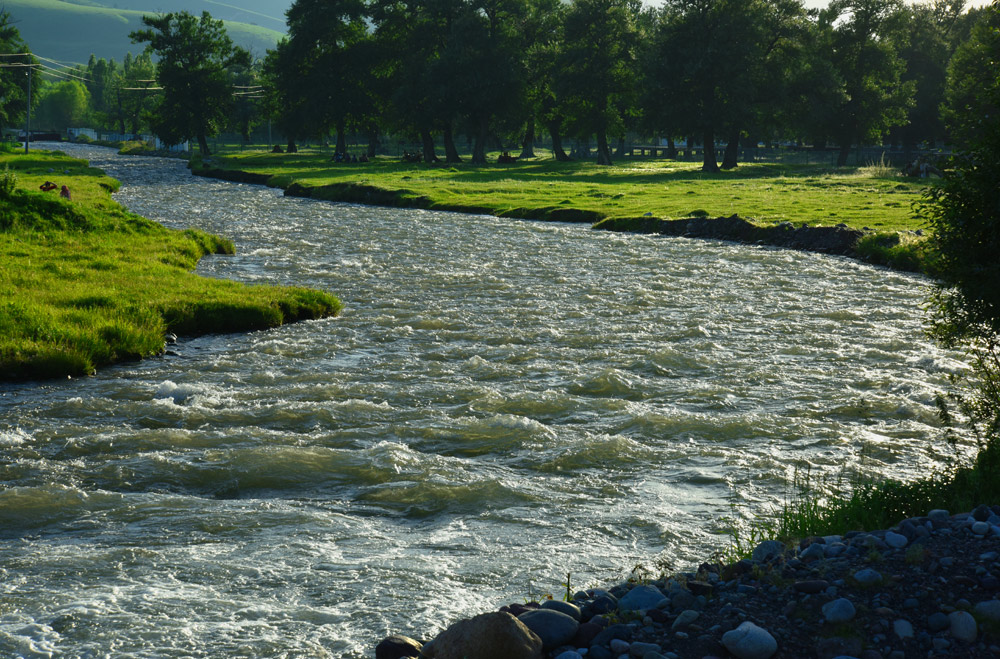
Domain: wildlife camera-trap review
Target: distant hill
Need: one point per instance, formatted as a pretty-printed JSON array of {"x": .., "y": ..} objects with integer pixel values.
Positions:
[{"x": 72, "y": 30}]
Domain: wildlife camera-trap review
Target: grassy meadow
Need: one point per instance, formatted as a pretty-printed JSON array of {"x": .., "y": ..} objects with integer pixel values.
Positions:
[
  {"x": 85, "y": 283},
  {"x": 766, "y": 193}
]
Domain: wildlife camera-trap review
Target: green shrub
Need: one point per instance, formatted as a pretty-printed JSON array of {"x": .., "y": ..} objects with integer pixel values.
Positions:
[{"x": 8, "y": 182}]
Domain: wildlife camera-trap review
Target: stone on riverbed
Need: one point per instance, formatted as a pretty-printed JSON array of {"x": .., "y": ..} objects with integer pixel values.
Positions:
[
  {"x": 397, "y": 647},
  {"x": 748, "y": 641},
  {"x": 488, "y": 636},
  {"x": 963, "y": 626},
  {"x": 553, "y": 627},
  {"x": 641, "y": 598}
]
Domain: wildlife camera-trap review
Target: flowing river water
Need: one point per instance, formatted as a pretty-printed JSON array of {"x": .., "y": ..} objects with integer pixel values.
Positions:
[{"x": 501, "y": 403}]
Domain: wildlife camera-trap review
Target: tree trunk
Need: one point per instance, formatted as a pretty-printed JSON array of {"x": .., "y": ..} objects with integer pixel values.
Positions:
[
  {"x": 845, "y": 150},
  {"x": 603, "y": 151},
  {"x": 292, "y": 147},
  {"x": 731, "y": 156},
  {"x": 689, "y": 147},
  {"x": 528, "y": 143},
  {"x": 372, "y": 141},
  {"x": 203, "y": 145},
  {"x": 450, "y": 152},
  {"x": 479, "y": 148},
  {"x": 557, "y": 147},
  {"x": 428, "y": 142},
  {"x": 671, "y": 149},
  {"x": 709, "y": 163},
  {"x": 620, "y": 151},
  {"x": 341, "y": 138}
]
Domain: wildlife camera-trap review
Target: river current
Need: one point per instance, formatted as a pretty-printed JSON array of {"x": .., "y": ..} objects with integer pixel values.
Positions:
[{"x": 501, "y": 403}]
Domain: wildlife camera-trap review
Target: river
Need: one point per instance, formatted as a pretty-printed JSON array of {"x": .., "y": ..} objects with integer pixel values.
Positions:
[{"x": 501, "y": 403}]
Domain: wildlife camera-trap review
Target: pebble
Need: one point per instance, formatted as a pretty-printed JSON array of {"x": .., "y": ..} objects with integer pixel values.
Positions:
[
  {"x": 981, "y": 528},
  {"x": 748, "y": 641},
  {"x": 896, "y": 540},
  {"x": 867, "y": 577},
  {"x": 902, "y": 628},
  {"x": 963, "y": 626},
  {"x": 839, "y": 610},
  {"x": 641, "y": 598}
]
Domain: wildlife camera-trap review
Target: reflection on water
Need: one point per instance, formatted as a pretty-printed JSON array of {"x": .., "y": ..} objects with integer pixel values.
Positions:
[{"x": 500, "y": 403}]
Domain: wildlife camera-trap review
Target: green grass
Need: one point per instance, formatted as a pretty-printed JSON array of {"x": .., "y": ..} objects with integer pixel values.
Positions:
[
  {"x": 765, "y": 193},
  {"x": 84, "y": 283}
]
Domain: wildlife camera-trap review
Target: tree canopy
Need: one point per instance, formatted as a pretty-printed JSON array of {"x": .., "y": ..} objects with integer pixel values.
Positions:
[{"x": 195, "y": 56}]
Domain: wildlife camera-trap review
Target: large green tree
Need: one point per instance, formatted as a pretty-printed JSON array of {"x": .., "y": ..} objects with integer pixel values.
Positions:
[
  {"x": 63, "y": 105},
  {"x": 195, "y": 56},
  {"x": 14, "y": 75},
  {"x": 864, "y": 40},
  {"x": 964, "y": 212},
  {"x": 598, "y": 68}
]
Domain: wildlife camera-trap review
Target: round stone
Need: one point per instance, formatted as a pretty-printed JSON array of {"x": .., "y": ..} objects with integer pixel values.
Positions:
[
  {"x": 748, "y": 641},
  {"x": 963, "y": 626},
  {"x": 903, "y": 629},
  {"x": 895, "y": 540},
  {"x": 981, "y": 528},
  {"x": 839, "y": 610},
  {"x": 867, "y": 577}
]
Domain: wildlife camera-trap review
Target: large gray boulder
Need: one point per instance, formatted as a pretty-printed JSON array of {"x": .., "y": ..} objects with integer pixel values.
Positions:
[
  {"x": 748, "y": 641},
  {"x": 488, "y": 636},
  {"x": 641, "y": 598},
  {"x": 553, "y": 627},
  {"x": 397, "y": 647}
]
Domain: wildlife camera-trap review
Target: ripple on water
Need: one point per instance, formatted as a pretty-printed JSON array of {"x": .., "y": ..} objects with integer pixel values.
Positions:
[{"x": 501, "y": 402}]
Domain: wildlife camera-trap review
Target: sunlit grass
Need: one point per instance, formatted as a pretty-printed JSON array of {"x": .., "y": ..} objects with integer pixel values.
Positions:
[
  {"x": 84, "y": 283},
  {"x": 766, "y": 193}
]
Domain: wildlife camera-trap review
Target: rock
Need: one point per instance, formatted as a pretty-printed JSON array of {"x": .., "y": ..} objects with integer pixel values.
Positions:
[
  {"x": 642, "y": 650},
  {"x": 569, "y": 654},
  {"x": 585, "y": 634},
  {"x": 989, "y": 610},
  {"x": 641, "y": 598},
  {"x": 619, "y": 647},
  {"x": 939, "y": 515},
  {"x": 600, "y": 605},
  {"x": 748, "y": 641},
  {"x": 981, "y": 513},
  {"x": 610, "y": 633},
  {"x": 839, "y": 610},
  {"x": 902, "y": 628},
  {"x": 767, "y": 550},
  {"x": 937, "y": 622},
  {"x": 488, "y": 636},
  {"x": 895, "y": 540},
  {"x": 981, "y": 528},
  {"x": 600, "y": 652},
  {"x": 553, "y": 627},
  {"x": 397, "y": 647},
  {"x": 572, "y": 610},
  {"x": 867, "y": 577},
  {"x": 838, "y": 646},
  {"x": 963, "y": 626},
  {"x": 813, "y": 551},
  {"x": 684, "y": 619},
  {"x": 812, "y": 586}
]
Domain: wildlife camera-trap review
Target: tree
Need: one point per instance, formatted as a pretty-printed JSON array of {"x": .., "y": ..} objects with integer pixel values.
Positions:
[
  {"x": 63, "y": 105},
  {"x": 598, "y": 69},
  {"x": 964, "y": 213},
  {"x": 864, "y": 38},
  {"x": 14, "y": 78},
  {"x": 194, "y": 58}
]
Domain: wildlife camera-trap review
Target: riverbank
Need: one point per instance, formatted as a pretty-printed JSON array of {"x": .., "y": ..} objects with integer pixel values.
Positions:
[
  {"x": 862, "y": 213},
  {"x": 85, "y": 283},
  {"x": 928, "y": 586}
]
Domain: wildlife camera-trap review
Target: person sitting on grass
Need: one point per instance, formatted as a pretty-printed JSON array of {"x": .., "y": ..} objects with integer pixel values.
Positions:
[
  {"x": 65, "y": 194},
  {"x": 47, "y": 186}
]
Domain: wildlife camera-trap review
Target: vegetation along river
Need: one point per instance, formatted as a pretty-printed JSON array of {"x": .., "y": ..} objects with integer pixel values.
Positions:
[{"x": 501, "y": 402}]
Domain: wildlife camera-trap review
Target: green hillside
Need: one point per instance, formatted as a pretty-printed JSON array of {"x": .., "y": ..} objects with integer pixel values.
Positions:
[{"x": 72, "y": 31}]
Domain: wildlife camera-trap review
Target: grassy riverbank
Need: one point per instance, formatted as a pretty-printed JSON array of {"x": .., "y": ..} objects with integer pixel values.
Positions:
[
  {"x": 875, "y": 199},
  {"x": 84, "y": 283}
]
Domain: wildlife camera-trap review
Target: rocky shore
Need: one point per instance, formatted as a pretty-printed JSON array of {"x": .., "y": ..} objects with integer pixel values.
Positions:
[{"x": 929, "y": 587}]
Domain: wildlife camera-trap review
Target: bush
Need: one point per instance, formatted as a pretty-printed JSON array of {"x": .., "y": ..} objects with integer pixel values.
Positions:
[{"x": 8, "y": 183}]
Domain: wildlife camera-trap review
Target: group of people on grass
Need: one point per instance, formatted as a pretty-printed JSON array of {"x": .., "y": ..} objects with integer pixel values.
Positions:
[{"x": 49, "y": 186}]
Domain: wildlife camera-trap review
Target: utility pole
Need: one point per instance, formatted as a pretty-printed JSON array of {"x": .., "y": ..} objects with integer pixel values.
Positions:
[{"x": 27, "y": 129}]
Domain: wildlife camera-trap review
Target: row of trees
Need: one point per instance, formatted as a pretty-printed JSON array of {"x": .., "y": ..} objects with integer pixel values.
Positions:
[
  {"x": 501, "y": 72},
  {"x": 714, "y": 70}
]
